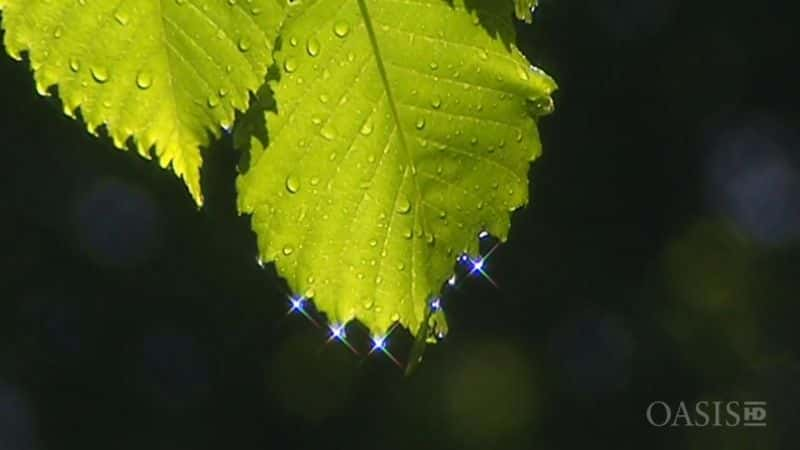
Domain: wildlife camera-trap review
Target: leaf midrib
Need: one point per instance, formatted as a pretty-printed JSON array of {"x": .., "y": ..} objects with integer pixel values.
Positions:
[{"x": 373, "y": 40}]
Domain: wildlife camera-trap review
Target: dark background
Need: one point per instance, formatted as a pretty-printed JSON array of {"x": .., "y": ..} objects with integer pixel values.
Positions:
[{"x": 658, "y": 260}]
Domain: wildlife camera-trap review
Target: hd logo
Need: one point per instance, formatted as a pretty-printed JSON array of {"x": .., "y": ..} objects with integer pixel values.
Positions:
[{"x": 708, "y": 414}]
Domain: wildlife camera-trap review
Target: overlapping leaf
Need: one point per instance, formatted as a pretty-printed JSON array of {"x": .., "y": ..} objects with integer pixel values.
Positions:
[
  {"x": 165, "y": 72},
  {"x": 403, "y": 129}
]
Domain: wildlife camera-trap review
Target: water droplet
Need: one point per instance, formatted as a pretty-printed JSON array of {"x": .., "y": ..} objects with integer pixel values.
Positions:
[
  {"x": 367, "y": 129},
  {"x": 403, "y": 205},
  {"x": 373, "y": 243},
  {"x": 57, "y": 33},
  {"x": 244, "y": 44},
  {"x": 74, "y": 64},
  {"x": 290, "y": 65},
  {"x": 288, "y": 250},
  {"x": 328, "y": 133},
  {"x": 368, "y": 304},
  {"x": 420, "y": 123},
  {"x": 212, "y": 101},
  {"x": 341, "y": 28},
  {"x": 430, "y": 238},
  {"x": 407, "y": 233},
  {"x": 523, "y": 73},
  {"x": 436, "y": 103},
  {"x": 395, "y": 317},
  {"x": 312, "y": 47},
  {"x": 100, "y": 74},
  {"x": 324, "y": 99},
  {"x": 144, "y": 80},
  {"x": 292, "y": 184},
  {"x": 121, "y": 18}
]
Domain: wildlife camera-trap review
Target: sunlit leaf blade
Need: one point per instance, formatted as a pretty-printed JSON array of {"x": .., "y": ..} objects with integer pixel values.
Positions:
[
  {"x": 165, "y": 72},
  {"x": 403, "y": 129}
]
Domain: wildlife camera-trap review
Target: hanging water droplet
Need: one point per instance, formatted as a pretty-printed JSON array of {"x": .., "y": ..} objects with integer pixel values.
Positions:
[
  {"x": 312, "y": 47},
  {"x": 144, "y": 80},
  {"x": 292, "y": 184}
]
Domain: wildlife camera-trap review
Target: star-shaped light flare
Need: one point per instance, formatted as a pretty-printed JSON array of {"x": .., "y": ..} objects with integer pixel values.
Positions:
[
  {"x": 477, "y": 265},
  {"x": 298, "y": 303},
  {"x": 339, "y": 333},
  {"x": 380, "y": 344}
]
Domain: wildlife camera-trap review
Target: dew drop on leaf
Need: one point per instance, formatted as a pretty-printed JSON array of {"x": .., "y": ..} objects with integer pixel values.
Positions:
[
  {"x": 144, "y": 80},
  {"x": 290, "y": 65},
  {"x": 341, "y": 28},
  {"x": 312, "y": 47},
  {"x": 292, "y": 184},
  {"x": 288, "y": 250},
  {"x": 99, "y": 74},
  {"x": 403, "y": 205},
  {"x": 367, "y": 129},
  {"x": 328, "y": 133}
]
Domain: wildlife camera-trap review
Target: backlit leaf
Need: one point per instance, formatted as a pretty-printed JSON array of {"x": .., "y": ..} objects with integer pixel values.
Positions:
[
  {"x": 402, "y": 129},
  {"x": 165, "y": 72}
]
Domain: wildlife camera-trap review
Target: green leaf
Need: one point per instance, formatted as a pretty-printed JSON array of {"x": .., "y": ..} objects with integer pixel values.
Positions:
[
  {"x": 524, "y": 9},
  {"x": 165, "y": 72},
  {"x": 402, "y": 129}
]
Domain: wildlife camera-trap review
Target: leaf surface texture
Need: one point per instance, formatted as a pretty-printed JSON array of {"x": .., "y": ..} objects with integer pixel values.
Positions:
[{"x": 401, "y": 130}]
